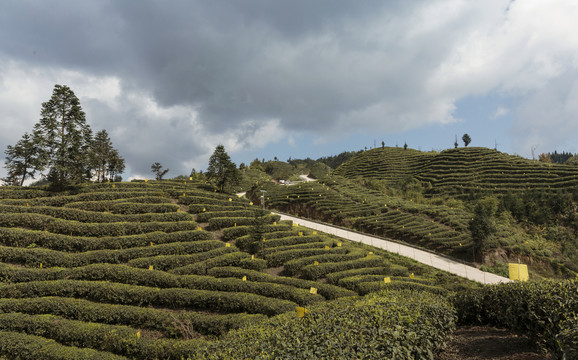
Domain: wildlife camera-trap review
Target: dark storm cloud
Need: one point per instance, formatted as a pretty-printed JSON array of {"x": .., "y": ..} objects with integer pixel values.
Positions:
[{"x": 299, "y": 61}]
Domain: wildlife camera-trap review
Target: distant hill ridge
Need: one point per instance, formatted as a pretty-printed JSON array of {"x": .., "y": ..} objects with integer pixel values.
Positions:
[{"x": 461, "y": 171}]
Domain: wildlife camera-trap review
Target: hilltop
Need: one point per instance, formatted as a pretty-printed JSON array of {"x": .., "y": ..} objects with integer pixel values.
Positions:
[{"x": 460, "y": 172}]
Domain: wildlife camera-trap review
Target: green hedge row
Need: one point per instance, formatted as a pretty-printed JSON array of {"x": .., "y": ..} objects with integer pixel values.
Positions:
[
  {"x": 94, "y": 217},
  {"x": 169, "y": 262},
  {"x": 234, "y": 232},
  {"x": 330, "y": 292},
  {"x": 120, "y": 340},
  {"x": 173, "y": 324},
  {"x": 206, "y": 200},
  {"x": 16, "y": 345},
  {"x": 546, "y": 311},
  {"x": 86, "y": 197},
  {"x": 352, "y": 281},
  {"x": 50, "y": 258},
  {"x": 134, "y": 276},
  {"x": 317, "y": 272},
  {"x": 18, "y": 192},
  {"x": 237, "y": 258},
  {"x": 126, "y": 208},
  {"x": 375, "y": 286},
  {"x": 275, "y": 259},
  {"x": 16, "y": 237},
  {"x": 225, "y": 222},
  {"x": 335, "y": 277},
  {"x": 389, "y": 325},
  {"x": 148, "y": 296},
  {"x": 75, "y": 228},
  {"x": 247, "y": 243},
  {"x": 315, "y": 245},
  {"x": 206, "y": 216},
  {"x": 129, "y": 208},
  {"x": 294, "y": 266},
  {"x": 201, "y": 208}
]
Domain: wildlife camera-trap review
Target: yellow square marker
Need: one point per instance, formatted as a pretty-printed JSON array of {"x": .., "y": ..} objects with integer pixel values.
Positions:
[
  {"x": 387, "y": 280},
  {"x": 301, "y": 311},
  {"x": 313, "y": 290}
]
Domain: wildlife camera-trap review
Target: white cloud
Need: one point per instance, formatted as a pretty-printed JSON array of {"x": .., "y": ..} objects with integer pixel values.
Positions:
[{"x": 500, "y": 111}]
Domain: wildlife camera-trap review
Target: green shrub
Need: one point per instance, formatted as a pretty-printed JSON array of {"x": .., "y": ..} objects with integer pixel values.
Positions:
[
  {"x": 167, "y": 322},
  {"x": 238, "y": 231},
  {"x": 314, "y": 272},
  {"x": 541, "y": 310},
  {"x": 217, "y": 223},
  {"x": 171, "y": 262},
  {"x": 75, "y": 228},
  {"x": 388, "y": 325},
  {"x": 328, "y": 291},
  {"x": 149, "y": 296},
  {"x": 23, "y": 346},
  {"x": 49, "y": 258},
  {"x": 397, "y": 284},
  {"x": 237, "y": 258},
  {"x": 16, "y": 237}
]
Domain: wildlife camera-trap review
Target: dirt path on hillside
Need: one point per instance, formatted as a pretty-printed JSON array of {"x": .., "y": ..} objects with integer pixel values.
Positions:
[{"x": 484, "y": 343}]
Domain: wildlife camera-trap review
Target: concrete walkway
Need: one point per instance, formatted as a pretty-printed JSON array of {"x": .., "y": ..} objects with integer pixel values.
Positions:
[{"x": 424, "y": 257}]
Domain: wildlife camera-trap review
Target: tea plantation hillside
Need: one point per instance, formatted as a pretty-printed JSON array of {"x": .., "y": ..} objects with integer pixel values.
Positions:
[
  {"x": 460, "y": 172},
  {"x": 163, "y": 269}
]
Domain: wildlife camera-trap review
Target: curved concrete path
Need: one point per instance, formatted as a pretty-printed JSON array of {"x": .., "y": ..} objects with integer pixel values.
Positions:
[{"x": 424, "y": 257}]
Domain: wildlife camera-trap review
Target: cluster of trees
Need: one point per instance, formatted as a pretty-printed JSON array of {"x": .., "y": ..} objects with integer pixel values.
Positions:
[
  {"x": 62, "y": 147},
  {"x": 559, "y": 158}
]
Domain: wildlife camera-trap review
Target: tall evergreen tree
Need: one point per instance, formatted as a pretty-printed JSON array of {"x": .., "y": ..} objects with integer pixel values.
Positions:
[
  {"x": 23, "y": 160},
  {"x": 105, "y": 161},
  {"x": 65, "y": 136},
  {"x": 222, "y": 170}
]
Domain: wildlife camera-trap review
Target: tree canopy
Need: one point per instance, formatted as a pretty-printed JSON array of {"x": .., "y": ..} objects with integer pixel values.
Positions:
[
  {"x": 221, "y": 170},
  {"x": 466, "y": 139},
  {"x": 63, "y": 145}
]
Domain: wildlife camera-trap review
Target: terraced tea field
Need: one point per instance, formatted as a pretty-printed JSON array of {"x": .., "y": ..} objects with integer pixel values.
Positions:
[
  {"x": 157, "y": 270},
  {"x": 339, "y": 201},
  {"x": 461, "y": 171}
]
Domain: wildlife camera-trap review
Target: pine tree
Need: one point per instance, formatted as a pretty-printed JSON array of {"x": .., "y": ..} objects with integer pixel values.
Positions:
[
  {"x": 23, "y": 160},
  {"x": 105, "y": 161},
  {"x": 222, "y": 170},
  {"x": 65, "y": 137}
]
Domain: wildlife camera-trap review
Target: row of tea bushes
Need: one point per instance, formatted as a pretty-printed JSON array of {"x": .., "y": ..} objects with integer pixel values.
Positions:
[
  {"x": 75, "y": 228},
  {"x": 50, "y": 258},
  {"x": 150, "y": 296},
  {"x": 93, "y": 216},
  {"x": 330, "y": 292},
  {"x": 25, "y": 238}
]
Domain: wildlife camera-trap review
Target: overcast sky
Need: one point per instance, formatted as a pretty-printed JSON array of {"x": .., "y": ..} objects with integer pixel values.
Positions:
[{"x": 170, "y": 80}]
